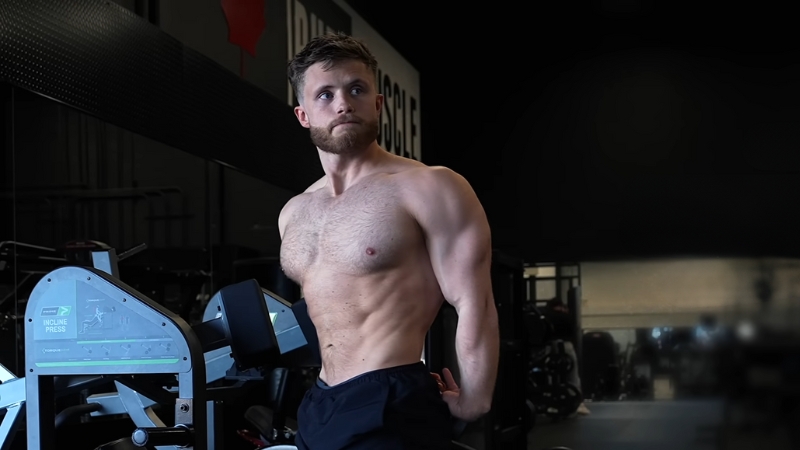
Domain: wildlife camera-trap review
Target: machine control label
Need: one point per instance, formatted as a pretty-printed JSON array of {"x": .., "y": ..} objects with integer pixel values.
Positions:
[
  {"x": 78, "y": 324},
  {"x": 59, "y": 324},
  {"x": 56, "y": 318}
]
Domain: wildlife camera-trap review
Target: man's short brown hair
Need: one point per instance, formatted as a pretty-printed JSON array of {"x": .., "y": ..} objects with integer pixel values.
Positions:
[{"x": 328, "y": 49}]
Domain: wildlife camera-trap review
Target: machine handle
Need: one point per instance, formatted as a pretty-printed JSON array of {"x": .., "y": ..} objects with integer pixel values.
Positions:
[
  {"x": 75, "y": 411},
  {"x": 131, "y": 251},
  {"x": 154, "y": 437}
]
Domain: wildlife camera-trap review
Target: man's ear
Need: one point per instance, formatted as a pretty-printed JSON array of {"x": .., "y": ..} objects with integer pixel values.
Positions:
[
  {"x": 379, "y": 99},
  {"x": 302, "y": 117}
]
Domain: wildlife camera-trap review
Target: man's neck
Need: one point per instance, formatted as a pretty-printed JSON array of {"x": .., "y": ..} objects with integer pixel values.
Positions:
[{"x": 342, "y": 171}]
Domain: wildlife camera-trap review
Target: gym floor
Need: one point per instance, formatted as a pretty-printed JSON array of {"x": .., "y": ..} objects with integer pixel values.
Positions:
[
  {"x": 652, "y": 425},
  {"x": 656, "y": 425}
]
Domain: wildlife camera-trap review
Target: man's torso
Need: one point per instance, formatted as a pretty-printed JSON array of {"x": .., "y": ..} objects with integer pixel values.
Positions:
[{"x": 362, "y": 262}]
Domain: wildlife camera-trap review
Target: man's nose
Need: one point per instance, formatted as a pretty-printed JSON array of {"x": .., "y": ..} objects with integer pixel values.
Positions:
[{"x": 344, "y": 106}]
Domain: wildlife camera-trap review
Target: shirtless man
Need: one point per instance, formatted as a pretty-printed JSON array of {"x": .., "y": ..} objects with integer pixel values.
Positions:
[{"x": 377, "y": 245}]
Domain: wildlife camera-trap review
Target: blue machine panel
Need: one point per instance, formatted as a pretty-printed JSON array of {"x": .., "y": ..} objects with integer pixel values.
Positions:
[{"x": 79, "y": 320}]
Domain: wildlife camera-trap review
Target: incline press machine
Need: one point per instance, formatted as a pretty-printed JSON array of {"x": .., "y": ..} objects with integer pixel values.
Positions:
[{"x": 86, "y": 328}]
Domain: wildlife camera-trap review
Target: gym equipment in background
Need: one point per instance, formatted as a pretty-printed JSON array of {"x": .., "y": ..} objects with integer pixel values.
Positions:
[
  {"x": 548, "y": 391},
  {"x": 86, "y": 327},
  {"x": 601, "y": 369}
]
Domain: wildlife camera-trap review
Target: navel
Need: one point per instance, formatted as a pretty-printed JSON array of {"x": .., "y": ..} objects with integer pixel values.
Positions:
[{"x": 370, "y": 251}]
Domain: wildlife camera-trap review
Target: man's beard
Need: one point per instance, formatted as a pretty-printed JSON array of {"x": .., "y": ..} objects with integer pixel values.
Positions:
[{"x": 353, "y": 140}]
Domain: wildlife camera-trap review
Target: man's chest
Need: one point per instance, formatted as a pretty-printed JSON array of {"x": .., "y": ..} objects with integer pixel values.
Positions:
[{"x": 361, "y": 232}]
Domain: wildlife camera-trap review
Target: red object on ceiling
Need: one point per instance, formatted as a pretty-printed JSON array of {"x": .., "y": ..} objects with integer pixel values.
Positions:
[{"x": 245, "y": 22}]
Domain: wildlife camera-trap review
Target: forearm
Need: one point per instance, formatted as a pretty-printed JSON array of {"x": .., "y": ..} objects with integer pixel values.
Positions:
[{"x": 477, "y": 351}]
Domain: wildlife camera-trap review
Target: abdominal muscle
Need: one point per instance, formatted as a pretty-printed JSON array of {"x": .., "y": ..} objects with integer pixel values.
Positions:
[{"x": 370, "y": 322}]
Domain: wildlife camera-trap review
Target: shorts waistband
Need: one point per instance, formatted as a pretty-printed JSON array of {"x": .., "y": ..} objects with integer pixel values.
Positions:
[{"x": 418, "y": 367}]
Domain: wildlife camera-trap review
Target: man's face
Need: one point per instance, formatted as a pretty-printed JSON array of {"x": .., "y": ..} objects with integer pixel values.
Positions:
[{"x": 340, "y": 106}]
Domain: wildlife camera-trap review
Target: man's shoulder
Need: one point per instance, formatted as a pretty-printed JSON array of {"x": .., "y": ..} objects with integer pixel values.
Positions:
[
  {"x": 408, "y": 169},
  {"x": 299, "y": 200},
  {"x": 317, "y": 185},
  {"x": 437, "y": 181},
  {"x": 302, "y": 197},
  {"x": 421, "y": 173},
  {"x": 430, "y": 191}
]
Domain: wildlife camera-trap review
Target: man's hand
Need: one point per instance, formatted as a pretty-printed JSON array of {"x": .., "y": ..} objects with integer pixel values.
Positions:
[
  {"x": 439, "y": 382},
  {"x": 451, "y": 394}
]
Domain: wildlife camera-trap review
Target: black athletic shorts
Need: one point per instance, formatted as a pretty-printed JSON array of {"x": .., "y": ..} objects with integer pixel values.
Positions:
[{"x": 388, "y": 409}]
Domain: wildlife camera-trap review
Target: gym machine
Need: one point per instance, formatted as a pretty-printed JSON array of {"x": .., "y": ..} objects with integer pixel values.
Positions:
[
  {"x": 297, "y": 347},
  {"x": 84, "y": 327},
  {"x": 548, "y": 390}
]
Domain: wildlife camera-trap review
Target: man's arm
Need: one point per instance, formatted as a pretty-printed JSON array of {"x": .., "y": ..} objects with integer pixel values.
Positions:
[{"x": 459, "y": 244}]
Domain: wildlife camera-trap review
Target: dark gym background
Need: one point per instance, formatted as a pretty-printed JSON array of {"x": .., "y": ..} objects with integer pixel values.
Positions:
[
  {"x": 606, "y": 131},
  {"x": 616, "y": 128}
]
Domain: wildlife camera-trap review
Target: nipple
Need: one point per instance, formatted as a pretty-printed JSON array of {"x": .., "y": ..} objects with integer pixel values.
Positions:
[{"x": 370, "y": 251}]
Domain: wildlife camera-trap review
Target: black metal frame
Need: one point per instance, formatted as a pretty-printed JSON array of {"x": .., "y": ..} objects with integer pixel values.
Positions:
[
  {"x": 505, "y": 424},
  {"x": 6, "y": 172},
  {"x": 106, "y": 61}
]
